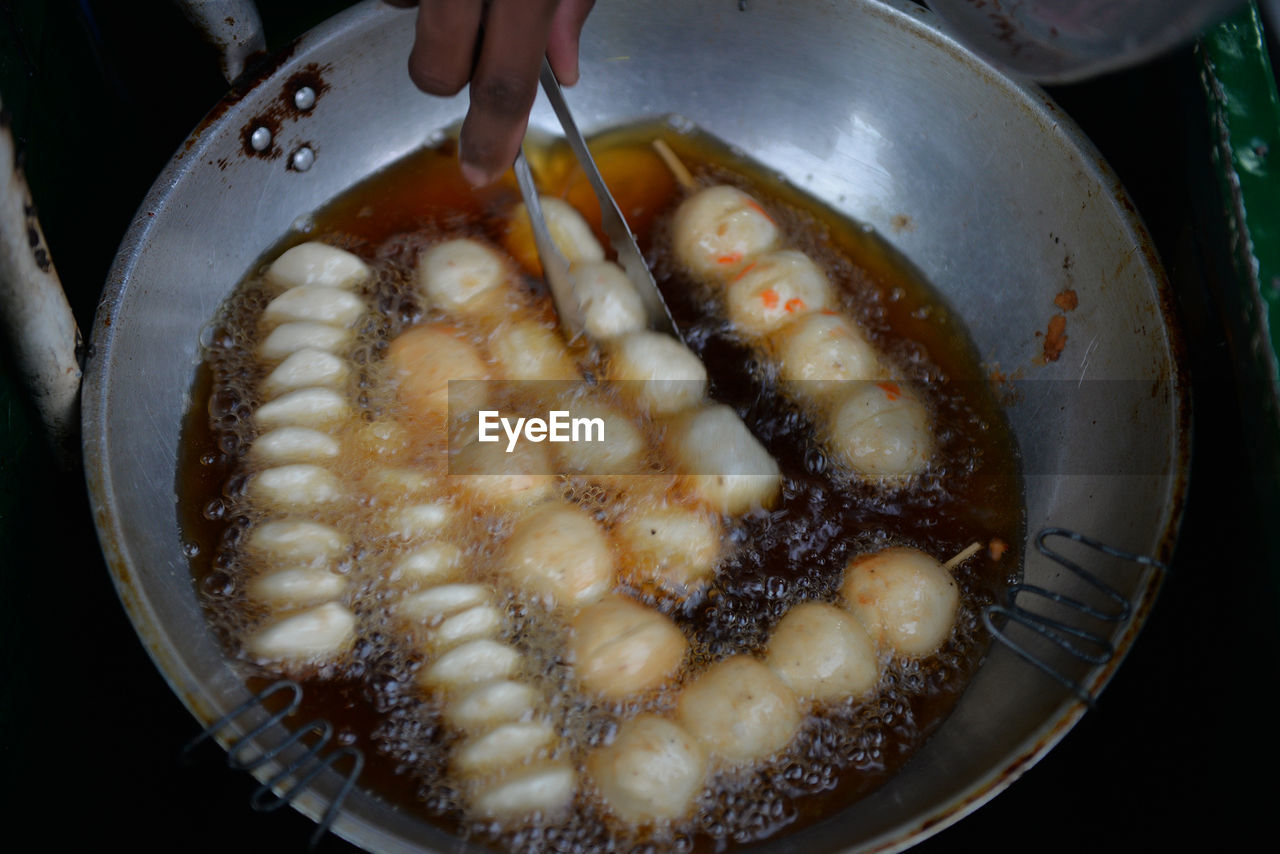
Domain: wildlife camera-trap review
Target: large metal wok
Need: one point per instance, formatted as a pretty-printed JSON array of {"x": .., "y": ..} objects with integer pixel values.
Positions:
[{"x": 978, "y": 180}]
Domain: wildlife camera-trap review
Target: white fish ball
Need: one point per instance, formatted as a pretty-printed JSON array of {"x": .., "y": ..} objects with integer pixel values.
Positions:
[
  {"x": 482, "y": 621},
  {"x": 315, "y": 263},
  {"x": 569, "y": 231},
  {"x": 721, "y": 461},
  {"x": 652, "y": 772},
  {"x": 306, "y": 368},
  {"x": 881, "y": 430},
  {"x": 492, "y": 703},
  {"x": 614, "y": 445},
  {"x": 718, "y": 229},
  {"x": 610, "y": 304},
  {"x": 420, "y": 520},
  {"x": 314, "y": 304},
  {"x": 307, "y": 637},
  {"x": 740, "y": 710},
  {"x": 507, "y": 744},
  {"x": 298, "y": 541},
  {"x": 293, "y": 445},
  {"x": 288, "y": 338},
  {"x": 433, "y": 604},
  {"x": 657, "y": 371},
  {"x": 776, "y": 289},
  {"x": 306, "y": 407},
  {"x": 525, "y": 350},
  {"x": 619, "y": 647},
  {"x": 558, "y": 551},
  {"x": 460, "y": 276},
  {"x": 298, "y": 486},
  {"x": 472, "y": 663},
  {"x": 823, "y": 652},
  {"x": 543, "y": 790},
  {"x": 904, "y": 598},
  {"x": 432, "y": 562},
  {"x": 296, "y": 587},
  {"x": 821, "y": 351}
]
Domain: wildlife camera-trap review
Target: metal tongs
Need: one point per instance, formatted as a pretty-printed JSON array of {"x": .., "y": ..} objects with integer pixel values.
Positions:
[{"x": 623, "y": 242}]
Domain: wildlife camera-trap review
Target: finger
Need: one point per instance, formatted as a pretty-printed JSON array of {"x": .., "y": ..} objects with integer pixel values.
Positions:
[
  {"x": 444, "y": 45},
  {"x": 503, "y": 86},
  {"x": 562, "y": 40}
]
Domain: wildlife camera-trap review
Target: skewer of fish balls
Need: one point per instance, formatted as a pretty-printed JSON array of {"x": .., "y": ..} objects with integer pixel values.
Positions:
[
  {"x": 779, "y": 300},
  {"x": 743, "y": 710},
  {"x": 723, "y": 464},
  {"x": 309, "y": 324}
]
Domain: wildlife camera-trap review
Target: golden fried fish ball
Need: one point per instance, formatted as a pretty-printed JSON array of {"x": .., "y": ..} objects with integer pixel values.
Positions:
[
  {"x": 611, "y": 445},
  {"x": 318, "y": 264},
  {"x": 558, "y": 551},
  {"x": 657, "y": 371},
  {"x": 620, "y": 647},
  {"x": 822, "y": 652},
  {"x": 775, "y": 289},
  {"x": 740, "y": 710},
  {"x": 652, "y": 772},
  {"x": 569, "y": 232},
  {"x": 498, "y": 478},
  {"x": 674, "y": 545},
  {"x": 882, "y": 430},
  {"x": 718, "y": 229},
  {"x": 903, "y": 597},
  {"x": 424, "y": 359}
]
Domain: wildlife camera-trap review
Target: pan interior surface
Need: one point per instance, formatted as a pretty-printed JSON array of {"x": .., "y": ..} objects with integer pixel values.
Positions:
[{"x": 867, "y": 106}]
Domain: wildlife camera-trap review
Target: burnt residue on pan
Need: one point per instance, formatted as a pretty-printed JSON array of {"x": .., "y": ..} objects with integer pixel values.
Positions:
[{"x": 284, "y": 109}]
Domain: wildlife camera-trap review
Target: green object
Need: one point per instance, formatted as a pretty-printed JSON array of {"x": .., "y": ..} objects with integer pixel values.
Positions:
[{"x": 1244, "y": 109}]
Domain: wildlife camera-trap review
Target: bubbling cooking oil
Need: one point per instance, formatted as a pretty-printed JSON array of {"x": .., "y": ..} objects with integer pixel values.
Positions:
[{"x": 770, "y": 560}]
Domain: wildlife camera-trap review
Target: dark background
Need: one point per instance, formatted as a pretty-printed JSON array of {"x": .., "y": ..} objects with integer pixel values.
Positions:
[{"x": 1181, "y": 751}]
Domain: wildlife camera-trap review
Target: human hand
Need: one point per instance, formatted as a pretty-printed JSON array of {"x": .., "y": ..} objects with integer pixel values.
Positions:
[{"x": 497, "y": 46}]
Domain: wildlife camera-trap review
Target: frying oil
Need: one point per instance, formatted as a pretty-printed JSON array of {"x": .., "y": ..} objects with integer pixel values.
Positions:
[{"x": 771, "y": 560}]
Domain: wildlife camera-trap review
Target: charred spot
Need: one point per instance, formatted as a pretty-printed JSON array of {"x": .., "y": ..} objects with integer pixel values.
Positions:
[
  {"x": 42, "y": 260},
  {"x": 33, "y": 236}
]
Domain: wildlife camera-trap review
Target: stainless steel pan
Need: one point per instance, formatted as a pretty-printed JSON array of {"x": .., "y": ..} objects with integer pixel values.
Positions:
[{"x": 980, "y": 181}]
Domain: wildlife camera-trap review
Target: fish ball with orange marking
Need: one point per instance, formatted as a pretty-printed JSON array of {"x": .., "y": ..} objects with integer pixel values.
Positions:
[
  {"x": 652, "y": 772},
  {"x": 903, "y": 597},
  {"x": 460, "y": 276},
  {"x": 740, "y": 710},
  {"x": 610, "y": 304},
  {"x": 721, "y": 461},
  {"x": 820, "y": 351},
  {"x": 881, "y": 430},
  {"x": 717, "y": 229},
  {"x": 822, "y": 652},
  {"x": 424, "y": 359},
  {"x": 619, "y": 647},
  {"x": 657, "y": 371},
  {"x": 674, "y": 545},
  {"x": 559, "y": 552},
  {"x": 776, "y": 289},
  {"x": 318, "y": 264}
]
